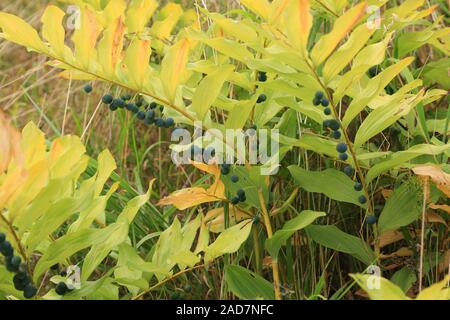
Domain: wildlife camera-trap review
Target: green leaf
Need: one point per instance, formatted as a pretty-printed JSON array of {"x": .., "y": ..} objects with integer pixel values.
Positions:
[
  {"x": 209, "y": 89},
  {"x": 383, "y": 117},
  {"x": 398, "y": 158},
  {"x": 333, "y": 238},
  {"x": 404, "y": 278},
  {"x": 69, "y": 244},
  {"x": 402, "y": 207},
  {"x": 228, "y": 241},
  {"x": 280, "y": 237},
  {"x": 312, "y": 143},
  {"x": 247, "y": 285},
  {"x": 334, "y": 184}
]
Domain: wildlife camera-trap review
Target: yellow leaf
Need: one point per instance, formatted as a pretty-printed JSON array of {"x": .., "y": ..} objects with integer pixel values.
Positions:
[
  {"x": 9, "y": 144},
  {"x": 438, "y": 291},
  {"x": 342, "y": 57},
  {"x": 33, "y": 145},
  {"x": 171, "y": 13},
  {"x": 277, "y": 7},
  {"x": 209, "y": 89},
  {"x": 260, "y": 7},
  {"x": 235, "y": 29},
  {"x": 298, "y": 22},
  {"x": 85, "y": 38},
  {"x": 139, "y": 13},
  {"x": 137, "y": 61},
  {"x": 110, "y": 47},
  {"x": 342, "y": 26},
  {"x": 215, "y": 219},
  {"x": 18, "y": 31},
  {"x": 228, "y": 241},
  {"x": 173, "y": 66},
  {"x": 53, "y": 31},
  {"x": 191, "y": 197}
]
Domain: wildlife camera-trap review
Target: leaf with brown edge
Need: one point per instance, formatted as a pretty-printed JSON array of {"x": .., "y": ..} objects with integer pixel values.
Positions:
[
  {"x": 137, "y": 61},
  {"x": 110, "y": 47},
  {"x": 439, "y": 177},
  {"x": 342, "y": 26},
  {"x": 435, "y": 218},
  {"x": 191, "y": 197},
  {"x": 9, "y": 144},
  {"x": 173, "y": 67},
  {"x": 298, "y": 23}
]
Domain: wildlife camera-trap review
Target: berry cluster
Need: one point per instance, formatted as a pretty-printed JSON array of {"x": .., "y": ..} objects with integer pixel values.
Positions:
[
  {"x": 143, "y": 111},
  {"x": 333, "y": 124},
  {"x": 21, "y": 280},
  {"x": 239, "y": 197}
]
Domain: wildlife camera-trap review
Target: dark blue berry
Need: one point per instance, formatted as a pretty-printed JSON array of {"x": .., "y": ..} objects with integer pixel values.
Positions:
[
  {"x": 334, "y": 124},
  {"x": 169, "y": 122},
  {"x": 262, "y": 76},
  {"x": 316, "y": 101},
  {"x": 113, "y": 107},
  {"x": 371, "y": 219},
  {"x": 241, "y": 194},
  {"x": 87, "y": 88},
  {"x": 341, "y": 147},
  {"x": 126, "y": 97},
  {"x": 358, "y": 186},
  {"x": 15, "y": 261},
  {"x": 234, "y": 179},
  {"x": 336, "y": 134},
  {"x": 319, "y": 95},
  {"x": 225, "y": 169},
  {"x": 261, "y": 98},
  {"x": 326, "y": 123},
  {"x": 117, "y": 103},
  {"x": 235, "y": 200},
  {"x": 18, "y": 283},
  {"x": 348, "y": 170},
  {"x": 327, "y": 111},
  {"x": 362, "y": 199},
  {"x": 160, "y": 122},
  {"x": 29, "y": 292},
  {"x": 325, "y": 102},
  {"x": 107, "y": 99},
  {"x": 2, "y": 237},
  {"x": 153, "y": 105},
  {"x": 140, "y": 115},
  {"x": 343, "y": 156},
  {"x": 6, "y": 249},
  {"x": 61, "y": 288}
]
